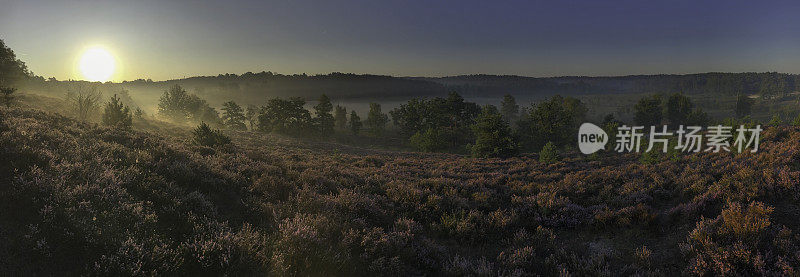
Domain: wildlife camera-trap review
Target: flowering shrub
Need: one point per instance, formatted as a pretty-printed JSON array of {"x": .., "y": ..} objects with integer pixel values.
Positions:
[{"x": 82, "y": 199}]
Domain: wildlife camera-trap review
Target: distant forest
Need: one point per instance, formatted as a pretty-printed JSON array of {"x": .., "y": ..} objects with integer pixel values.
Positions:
[{"x": 354, "y": 86}]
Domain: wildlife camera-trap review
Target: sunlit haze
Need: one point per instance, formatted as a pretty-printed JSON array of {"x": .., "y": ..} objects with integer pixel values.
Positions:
[
  {"x": 173, "y": 39},
  {"x": 97, "y": 64}
]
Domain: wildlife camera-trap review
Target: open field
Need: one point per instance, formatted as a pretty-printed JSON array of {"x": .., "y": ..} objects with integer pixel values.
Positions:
[{"x": 83, "y": 199}]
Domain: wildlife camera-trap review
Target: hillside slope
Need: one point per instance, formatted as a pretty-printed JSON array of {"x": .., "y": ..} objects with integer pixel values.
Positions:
[{"x": 82, "y": 199}]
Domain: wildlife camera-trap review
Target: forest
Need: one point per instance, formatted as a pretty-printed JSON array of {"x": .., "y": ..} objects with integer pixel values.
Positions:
[{"x": 94, "y": 183}]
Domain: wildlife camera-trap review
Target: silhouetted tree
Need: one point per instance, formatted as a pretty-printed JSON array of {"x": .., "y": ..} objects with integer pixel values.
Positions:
[
  {"x": 376, "y": 120},
  {"x": 323, "y": 119},
  {"x": 117, "y": 114},
  {"x": 355, "y": 123},
  {"x": 555, "y": 120},
  {"x": 233, "y": 116},
  {"x": 12, "y": 70},
  {"x": 447, "y": 119},
  {"x": 648, "y": 111},
  {"x": 252, "y": 116},
  {"x": 412, "y": 117},
  {"x": 492, "y": 135},
  {"x": 83, "y": 101},
  {"x": 679, "y": 109},
  {"x": 179, "y": 106},
  {"x": 340, "y": 117},
  {"x": 285, "y": 116},
  {"x": 7, "y": 96},
  {"x": 509, "y": 109},
  {"x": 173, "y": 104}
]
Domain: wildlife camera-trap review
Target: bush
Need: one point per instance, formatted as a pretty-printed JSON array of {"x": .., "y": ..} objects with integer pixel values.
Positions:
[
  {"x": 203, "y": 135},
  {"x": 431, "y": 140},
  {"x": 116, "y": 114},
  {"x": 7, "y": 96},
  {"x": 492, "y": 136},
  {"x": 741, "y": 240},
  {"x": 549, "y": 153}
]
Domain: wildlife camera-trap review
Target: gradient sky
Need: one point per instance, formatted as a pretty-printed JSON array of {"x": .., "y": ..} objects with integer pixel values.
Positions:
[{"x": 172, "y": 39}]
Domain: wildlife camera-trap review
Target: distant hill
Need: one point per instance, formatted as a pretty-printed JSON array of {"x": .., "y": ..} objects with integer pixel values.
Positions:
[
  {"x": 257, "y": 87},
  {"x": 773, "y": 84}
]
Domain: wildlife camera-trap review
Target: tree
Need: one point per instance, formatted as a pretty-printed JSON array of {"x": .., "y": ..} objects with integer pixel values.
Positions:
[
  {"x": 83, "y": 101},
  {"x": 493, "y": 136},
  {"x": 7, "y": 96},
  {"x": 509, "y": 109},
  {"x": 199, "y": 111},
  {"x": 203, "y": 135},
  {"x": 252, "y": 116},
  {"x": 679, "y": 109},
  {"x": 412, "y": 117},
  {"x": 431, "y": 140},
  {"x": 233, "y": 116},
  {"x": 117, "y": 114},
  {"x": 179, "y": 106},
  {"x": 451, "y": 117},
  {"x": 323, "y": 119},
  {"x": 744, "y": 105},
  {"x": 376, "y": 120},
  {"x": 555, "y": 120},
  {"x": 12, "y": 70},
  {"x": 340, "y": 117},
  {"x": 648, "y": 111},
  {"x": 173, "y": 104},
  {"x": 549, "y": 153},
  {"x": 285, "y": 116},
  {"x": 355, "y": 123}
]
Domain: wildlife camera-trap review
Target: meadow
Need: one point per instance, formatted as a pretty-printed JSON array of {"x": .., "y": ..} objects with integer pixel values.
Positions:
[{"x": 84, "y": 199}]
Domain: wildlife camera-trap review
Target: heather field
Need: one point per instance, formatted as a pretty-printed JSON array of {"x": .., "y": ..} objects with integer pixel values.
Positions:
[{"x": 82, "y": 199}]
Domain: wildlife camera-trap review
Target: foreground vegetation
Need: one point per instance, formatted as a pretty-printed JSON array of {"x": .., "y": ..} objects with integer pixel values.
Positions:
[{"x": 86, "y": 199}]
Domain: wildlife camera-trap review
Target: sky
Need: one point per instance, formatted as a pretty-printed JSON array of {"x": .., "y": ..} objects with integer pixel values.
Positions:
[{"x": 174, "y": 39}]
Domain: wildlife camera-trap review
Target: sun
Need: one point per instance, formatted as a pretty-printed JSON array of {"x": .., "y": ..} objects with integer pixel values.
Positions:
[{"x": 97, "y": 64}]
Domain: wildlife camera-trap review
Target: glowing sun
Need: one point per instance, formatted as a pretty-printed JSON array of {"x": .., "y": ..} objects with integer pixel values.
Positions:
[{"x": 97, "y": 64}]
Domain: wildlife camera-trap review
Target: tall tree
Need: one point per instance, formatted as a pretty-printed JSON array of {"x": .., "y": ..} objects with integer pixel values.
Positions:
[
  {"x": 117, "y": 114},
  {"x": 412, "y": 117},
  {"x": 648, "y": 111},
  {"x": 12, "y": 70},
  {"x": 555, "y": 120},
  {"x": 355, "y": 123},
  {"x": 340, "y": 117},
  {"x": 173, "y": 104},
  {"x": 492, "y": 135},
  {"x": 679, "y": 109},
  {"x": 84, "y": 101},
  {"x": 285, "y": 116},
  {"x": 376, "y": 120},
  {"x": 323, "y": 118},
  {"x": 252, "y": 116},
  {"x": 509, "y": 109},
  {"x": 233, "y": 116}
]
